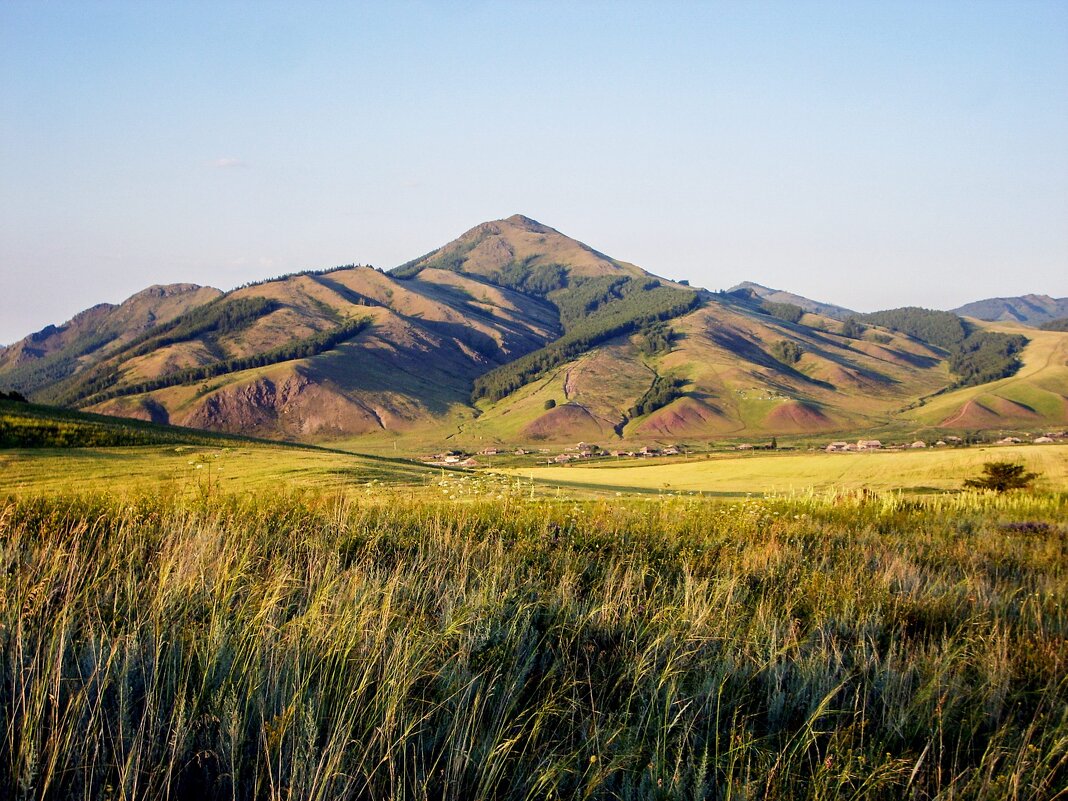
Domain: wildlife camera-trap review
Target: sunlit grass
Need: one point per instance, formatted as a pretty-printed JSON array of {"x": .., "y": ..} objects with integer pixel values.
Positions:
[
  {"x": 862, "y": 646},
  {"x": 941, "y": 469}
]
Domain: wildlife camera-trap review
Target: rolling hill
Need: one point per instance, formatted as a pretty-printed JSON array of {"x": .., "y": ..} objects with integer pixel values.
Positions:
[
  {"x": 514, "y": 334},
  {"x": 781, "y": 296},
  {"x": 1031, "y": 310}
]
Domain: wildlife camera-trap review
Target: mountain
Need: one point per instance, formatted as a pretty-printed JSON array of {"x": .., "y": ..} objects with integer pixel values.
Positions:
[
  {"x": 1035, "y": 396},
  {"x": 40, "y": 360},
  {"x": 780, "y": 296},
  {"x": 1032, "y": 310},
  {"x": 513, "y": 333}
]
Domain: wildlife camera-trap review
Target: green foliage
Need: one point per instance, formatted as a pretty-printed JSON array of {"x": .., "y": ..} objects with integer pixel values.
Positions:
[
  {"x": 550, "y": 404},
  {"x": 975, "y": 356},
  {"x": 221, "y": 316},
  {"x": 408, "y": 270},
  {"x": 788, "y": 312},
  {"x": 34, "y": 377},
  {"x": 538, "y": 281},
  {"x": 623, "y": 316},
  {"x": 1055, "y": 325},
  {"x": 655, "y": 338},
  {"x": 24, "y": 425},
  {"x": 1002, "y": 476},
  {"x": 439, "y": 259},
  {"x": 13, "y": 396},
  {"x": 986, "y": 356},
  {"x": 787, "y": 351},
  {"x": 324, "y": 648},
  {"x": 852, "y": 328},
  {"x": 944, "y": 329},
  {"x": 587, "y": 296},
  {"x": 299, "y": 349},
  {"x": 663, "y": 391}
]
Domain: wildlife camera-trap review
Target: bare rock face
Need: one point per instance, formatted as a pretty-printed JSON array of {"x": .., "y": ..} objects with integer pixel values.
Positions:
[{"x": 291, "y": 405}]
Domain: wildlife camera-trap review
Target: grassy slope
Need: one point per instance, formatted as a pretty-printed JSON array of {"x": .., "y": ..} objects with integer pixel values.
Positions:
[
  {"x": 196, "y": 469},
  {"x": 489, "y": 247},
  {"x": 411, "y": 370},
  {"x": 1036, "y": 396},
  {"x": 68, "y": 347},
  {"x": 761, "y": 472},
  {"x": 122, "y": 455},
  {"x": 735, "y": 388}
]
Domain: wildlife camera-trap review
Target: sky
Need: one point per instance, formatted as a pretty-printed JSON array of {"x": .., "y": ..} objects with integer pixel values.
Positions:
[{"x": 872, "y": 155}]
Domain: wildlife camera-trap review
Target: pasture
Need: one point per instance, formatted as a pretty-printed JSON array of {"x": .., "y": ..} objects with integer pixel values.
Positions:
[{"x": 767, "y": 472}]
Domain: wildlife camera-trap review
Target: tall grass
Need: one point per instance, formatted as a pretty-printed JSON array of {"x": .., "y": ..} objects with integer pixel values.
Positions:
[{"x": 326, "y": 648}]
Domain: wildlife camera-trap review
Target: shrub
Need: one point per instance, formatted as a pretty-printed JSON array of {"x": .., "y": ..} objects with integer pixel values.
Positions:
[
  {"x": 787, "y": 352},
  {"x": 1002, "y": 476},
  {"x": 852, "y": 328},
  {"x": 550, "y": 404},
  {"x": 787, "y": 312}
]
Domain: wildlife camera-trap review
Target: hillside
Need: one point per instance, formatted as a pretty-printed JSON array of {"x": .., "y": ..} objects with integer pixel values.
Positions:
[
  {"x": 1031, "y": 310},
  {"x": 1035, "y": 397},
  {"x": 735, "y": 371},
  {"x": 781, "y": 296},
  {"x": 36, "y": 363},
  {"x": 513, "y": 333}
]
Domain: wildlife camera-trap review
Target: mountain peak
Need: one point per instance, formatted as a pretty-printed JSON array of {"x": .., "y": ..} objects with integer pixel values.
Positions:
[
  {"x": 517, "y": 242},
  {"x": 522, "y": 219}
]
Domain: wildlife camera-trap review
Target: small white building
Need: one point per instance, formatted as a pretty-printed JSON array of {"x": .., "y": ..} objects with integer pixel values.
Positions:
[{"x": 918, "y": 444}]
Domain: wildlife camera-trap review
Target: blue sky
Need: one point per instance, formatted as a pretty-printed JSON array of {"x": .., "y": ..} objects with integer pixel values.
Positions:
[{"x": 867, "y": 154}]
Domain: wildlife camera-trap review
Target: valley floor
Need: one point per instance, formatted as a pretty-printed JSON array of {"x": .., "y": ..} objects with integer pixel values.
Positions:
[{"x": 763, "y": 472}]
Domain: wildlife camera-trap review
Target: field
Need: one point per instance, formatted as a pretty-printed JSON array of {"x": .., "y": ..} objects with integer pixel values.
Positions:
[
  {"x": 48, "y": 450},
  {"x": 328, "y": 648},
  {"x": 198, "y": 470},
  {"x": 760, "y": 472},
  {"x": 192, "y": 616}
]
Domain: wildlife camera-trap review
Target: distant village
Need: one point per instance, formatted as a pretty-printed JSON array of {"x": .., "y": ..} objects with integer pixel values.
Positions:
[{"x": 585, "y": 450}]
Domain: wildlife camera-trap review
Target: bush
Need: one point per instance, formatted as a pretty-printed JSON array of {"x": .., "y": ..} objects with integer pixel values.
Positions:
[
  {"x": 550, "y": 404},
  {"x": 787, "y": 312},
  {"x": 1002, "y": 476},
  {"x": 852, "y": 328},
  {"x": 787, "y": 352}
]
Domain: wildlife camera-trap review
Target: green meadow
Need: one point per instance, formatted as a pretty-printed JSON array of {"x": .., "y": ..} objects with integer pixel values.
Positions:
[
  {"x": 766, "y": 472},
  {"x": 227, "y": 618}
]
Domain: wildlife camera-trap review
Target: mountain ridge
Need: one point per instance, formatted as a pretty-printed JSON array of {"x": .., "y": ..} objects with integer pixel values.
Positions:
[
  {"x": 511, "y": 333},
  {"x": 1030, "y": 310}
]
